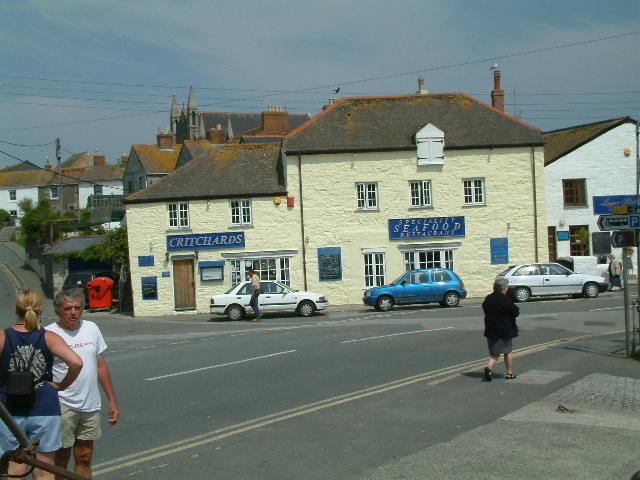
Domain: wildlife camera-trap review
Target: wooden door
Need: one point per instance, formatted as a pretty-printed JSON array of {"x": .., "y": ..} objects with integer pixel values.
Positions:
[
  {"x": 552, "y": 245},
  {"x": 184, "y": 286}
]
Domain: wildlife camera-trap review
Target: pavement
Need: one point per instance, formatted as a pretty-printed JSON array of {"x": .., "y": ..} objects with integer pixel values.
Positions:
[{"x": 588, "y": 429}]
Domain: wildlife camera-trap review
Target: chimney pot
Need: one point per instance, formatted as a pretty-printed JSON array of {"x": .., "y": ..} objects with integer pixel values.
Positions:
[
  {"x": 275, "y": 121},
  {"x": 165, "y": 141},
  {"x": 215, "y": 135}
]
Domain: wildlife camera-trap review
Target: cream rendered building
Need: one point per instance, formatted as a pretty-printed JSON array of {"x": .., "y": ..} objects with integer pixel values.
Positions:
[{"x": 367, "y": 189}]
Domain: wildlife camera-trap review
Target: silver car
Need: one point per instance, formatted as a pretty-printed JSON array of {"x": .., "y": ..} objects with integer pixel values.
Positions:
[{"x": 538, "y": 279}]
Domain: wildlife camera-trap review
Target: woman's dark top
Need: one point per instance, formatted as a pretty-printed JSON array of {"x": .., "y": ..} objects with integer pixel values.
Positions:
[
  {"x": 500, "y": 314},
  {"x": 46, "y": 399}
]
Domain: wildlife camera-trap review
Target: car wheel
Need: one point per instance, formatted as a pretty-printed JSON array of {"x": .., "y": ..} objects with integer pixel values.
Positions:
[
  {"x": 451, "y": 299},
  {"x": 591, "y": 290},
  {"x": 235, "y": 312},
  {"x": 522, "y": 294},
  {"x": 306, "y": 308},
  {"x": 384, "y": 303}
]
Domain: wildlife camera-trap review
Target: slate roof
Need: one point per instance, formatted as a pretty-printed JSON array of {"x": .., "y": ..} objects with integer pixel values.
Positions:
[
  {"x": 244, "y": 122},
  {"x": 155, "y": 160},
  {"x": 224, "y": 171},
  {"x": 390, "y": 123},
  {"x": 565, "y": 140},
  {"x": 74, "y": 244}
]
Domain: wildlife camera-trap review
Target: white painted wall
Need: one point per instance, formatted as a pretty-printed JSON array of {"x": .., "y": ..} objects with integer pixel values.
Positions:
[
  {"x": 21, "y": 194},
  {"x": 608, "y": 171}
]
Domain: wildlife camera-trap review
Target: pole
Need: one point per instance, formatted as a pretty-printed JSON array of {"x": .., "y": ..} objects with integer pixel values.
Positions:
[
  {"x": 628, "y": 315},
  {"x": 59, "y": 174}
]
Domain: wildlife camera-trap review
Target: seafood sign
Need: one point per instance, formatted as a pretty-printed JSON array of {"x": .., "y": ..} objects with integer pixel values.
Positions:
[{"x": 433, "y": 227}]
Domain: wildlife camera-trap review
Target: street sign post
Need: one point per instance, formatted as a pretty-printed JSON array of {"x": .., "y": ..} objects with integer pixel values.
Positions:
[{"x": 618, "y": 222}]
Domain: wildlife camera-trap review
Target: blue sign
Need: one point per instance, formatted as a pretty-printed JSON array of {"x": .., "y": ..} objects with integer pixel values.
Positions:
[
  {"x": 205, "y": 240},
  {"x": 499, "y": 250},
  {"x": 604, "y": 205},
  {"x": 433, "y": 227},
  {"x": 330, "y": 263}
]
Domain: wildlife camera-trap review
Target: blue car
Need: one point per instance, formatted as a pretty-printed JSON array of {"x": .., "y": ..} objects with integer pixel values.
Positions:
[{"x": 425, "y": 285}]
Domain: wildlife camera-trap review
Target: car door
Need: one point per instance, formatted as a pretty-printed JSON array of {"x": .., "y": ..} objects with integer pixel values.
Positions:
[
  {"x": 243, "y": 295},
  {"x": 413, "y": 288},
  {"x": 439, "y": 284},
  {"x": 558, "y": 280},
  {"x": 275, "y": 298},
  {"x": 528, "y": 276}
]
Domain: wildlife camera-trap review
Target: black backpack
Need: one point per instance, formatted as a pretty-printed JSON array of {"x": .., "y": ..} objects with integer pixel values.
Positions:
[{"x": 21, "y": 383}]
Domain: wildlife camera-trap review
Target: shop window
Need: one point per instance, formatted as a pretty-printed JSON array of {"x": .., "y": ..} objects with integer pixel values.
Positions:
[
  {"x": 267, "y": 268},
  {"x": 428, "y": 259},
  {"x": 575, "y": 192},
  {"x": 579, "y": 240}
]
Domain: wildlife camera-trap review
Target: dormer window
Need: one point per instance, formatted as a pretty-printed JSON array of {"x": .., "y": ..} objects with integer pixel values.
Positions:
[{"x": 430, "y": 143}]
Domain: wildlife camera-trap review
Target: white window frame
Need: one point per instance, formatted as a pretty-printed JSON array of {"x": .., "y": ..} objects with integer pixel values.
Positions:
[
  {"x": 375, "y": 268},
  {"x": 473, "y": 191},
  {"x": 55, "y": 189},
  {"x": 13, "y": 195},
  {"x": 240, "y": 211},
  {"x": 367, "y": 196},
  {"x": 421, "y": 193},
  {"x": 178, "y": 214},
  {"x": 98, "y": 189},
  {"x": 271, "y": 267}
]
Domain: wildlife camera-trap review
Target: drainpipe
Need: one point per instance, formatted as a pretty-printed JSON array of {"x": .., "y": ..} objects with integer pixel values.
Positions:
[
  {"x": 535, "y": 203},
  {"x": 302, "y": 233}
]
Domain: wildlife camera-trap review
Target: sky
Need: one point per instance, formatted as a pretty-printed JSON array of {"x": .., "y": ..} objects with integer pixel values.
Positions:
[{"x": 101, "y": 75}]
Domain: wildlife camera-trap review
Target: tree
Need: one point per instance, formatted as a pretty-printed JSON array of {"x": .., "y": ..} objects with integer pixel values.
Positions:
[
  {"x": 114, "y": 248},
  {"x": 5, "y": 217},
  {"x": 39, "y": 222}
]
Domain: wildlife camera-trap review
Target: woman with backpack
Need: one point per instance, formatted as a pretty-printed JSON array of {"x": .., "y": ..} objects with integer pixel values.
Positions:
[{"x": 27, "y": 389}]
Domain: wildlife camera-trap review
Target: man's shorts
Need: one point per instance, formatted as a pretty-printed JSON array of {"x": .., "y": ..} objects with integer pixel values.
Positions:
[
  {"x": 80, "y": 425},
  {"x": 43, "y": 428}
]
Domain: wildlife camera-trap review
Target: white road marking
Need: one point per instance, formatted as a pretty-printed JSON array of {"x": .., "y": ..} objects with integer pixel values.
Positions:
[
  {"x": 186, "y": 372},
  {"x": 396, "y": 334}
]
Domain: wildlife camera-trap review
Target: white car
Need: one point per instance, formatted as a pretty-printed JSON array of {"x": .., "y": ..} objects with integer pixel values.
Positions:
[
  {"x": 274, "y": 297},
  {"x": 536, "y": 279}
]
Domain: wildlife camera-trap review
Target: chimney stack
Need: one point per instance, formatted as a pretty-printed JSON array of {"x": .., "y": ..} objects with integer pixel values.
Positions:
[
  {"x": 497, "y": 94},
  {"x": 98, "y": 159},
  {"x": 421, "y": 89},
  {"x": 216, "y": 135},
  {"x": 165, "y": 140},
  {"x": 275, "y": 121}
]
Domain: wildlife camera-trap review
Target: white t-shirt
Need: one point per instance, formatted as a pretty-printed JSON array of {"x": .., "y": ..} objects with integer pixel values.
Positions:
[{"x": 82, "y": 395}]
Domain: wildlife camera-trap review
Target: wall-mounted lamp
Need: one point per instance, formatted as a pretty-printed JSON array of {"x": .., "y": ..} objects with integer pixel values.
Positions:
[
  {"x": 196, "y": 253},
  {"x": 166, "y": 256},
  {"x": 306, "y": 239},
  {"x": 562, "y": 222}
]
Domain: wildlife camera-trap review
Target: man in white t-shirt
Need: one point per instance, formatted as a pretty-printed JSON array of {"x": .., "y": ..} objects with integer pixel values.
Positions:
[{"x": 81, "y": 401}]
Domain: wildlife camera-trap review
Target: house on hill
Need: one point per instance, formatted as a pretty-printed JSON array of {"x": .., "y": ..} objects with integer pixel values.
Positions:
[
  {"x": 352, "y": 198},
  {"x": 589, "y": 169}
]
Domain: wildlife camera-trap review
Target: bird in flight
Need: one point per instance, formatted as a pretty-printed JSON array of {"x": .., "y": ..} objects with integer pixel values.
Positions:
[{"x": 337, "y": 90}]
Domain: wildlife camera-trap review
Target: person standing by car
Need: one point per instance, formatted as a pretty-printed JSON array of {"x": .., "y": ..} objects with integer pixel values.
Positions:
[
  {"x": 255, "y": 292},
  {"x": 615, "y": 270},
  {"x": 500, "y": 313}
]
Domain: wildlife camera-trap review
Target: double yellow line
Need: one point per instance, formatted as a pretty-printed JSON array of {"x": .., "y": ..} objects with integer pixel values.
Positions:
[
  {"x": 219, "y": 434},
  {"x": 12, "y": 276}
]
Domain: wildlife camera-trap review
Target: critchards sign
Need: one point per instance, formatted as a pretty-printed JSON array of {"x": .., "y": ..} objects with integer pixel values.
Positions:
[
  {"x": 426, "y": 227},
  {"x": 205, "y": 240}
]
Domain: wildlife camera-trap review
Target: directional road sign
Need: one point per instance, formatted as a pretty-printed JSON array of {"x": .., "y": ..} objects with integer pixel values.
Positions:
[
  {"x": 619, "y": 222},
  {"x": 625, "y": 238}
]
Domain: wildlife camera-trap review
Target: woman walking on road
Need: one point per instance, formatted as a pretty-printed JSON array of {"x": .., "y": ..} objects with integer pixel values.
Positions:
[{"x": 500, "y": 327}]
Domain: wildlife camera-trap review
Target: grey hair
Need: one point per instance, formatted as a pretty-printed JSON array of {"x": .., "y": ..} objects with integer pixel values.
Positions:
[
  {"x": 500, "y": 284},
  {"x": 72, "y": 295}
]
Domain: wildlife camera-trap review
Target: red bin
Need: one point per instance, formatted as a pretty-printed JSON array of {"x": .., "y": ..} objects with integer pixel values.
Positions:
[{"x": 100, "y": 291}]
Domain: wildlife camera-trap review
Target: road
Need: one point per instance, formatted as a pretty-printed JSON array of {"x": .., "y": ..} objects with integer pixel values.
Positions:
[{"x": 330, "y": 397}]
